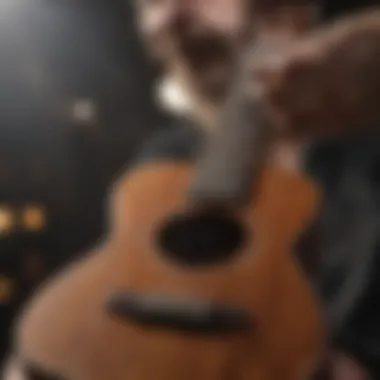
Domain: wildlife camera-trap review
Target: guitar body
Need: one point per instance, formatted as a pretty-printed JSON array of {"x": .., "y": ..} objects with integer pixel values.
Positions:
[{"x": 66, "y": 329}]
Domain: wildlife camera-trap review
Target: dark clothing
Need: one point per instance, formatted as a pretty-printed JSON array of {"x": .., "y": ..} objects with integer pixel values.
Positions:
[
  {"x": 348, "y": 173},
  {"x": 180, "y": 142},
  {"x": 348, "y": 278}
]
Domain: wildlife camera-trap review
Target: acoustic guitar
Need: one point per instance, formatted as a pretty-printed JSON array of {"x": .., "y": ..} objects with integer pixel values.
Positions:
[{"x": 198, "y": 278}]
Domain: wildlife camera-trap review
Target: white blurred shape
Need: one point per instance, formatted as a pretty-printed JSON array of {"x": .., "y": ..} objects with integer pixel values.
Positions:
[
  {"x": 84, "y": 111},
  {"x": 172, "y": 97}
]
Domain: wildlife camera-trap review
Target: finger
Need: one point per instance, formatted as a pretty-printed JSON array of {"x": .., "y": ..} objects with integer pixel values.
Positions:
[
  {"x": 224, "y": 16},
  {"x": 345, "y": 368},
  {"x": 12, "y": 370},
  {"x": 156, "y": 16}
]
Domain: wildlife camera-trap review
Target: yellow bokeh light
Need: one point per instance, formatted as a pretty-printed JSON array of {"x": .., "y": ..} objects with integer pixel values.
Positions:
[
  {"x": 6, "y": 289},
  {"x": 6, "y": 220},
  {"x": 34, "y": 218}
]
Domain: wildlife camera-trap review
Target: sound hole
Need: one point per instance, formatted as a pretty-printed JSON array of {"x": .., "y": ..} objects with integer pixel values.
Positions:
[{"x": 201, "y": 239}]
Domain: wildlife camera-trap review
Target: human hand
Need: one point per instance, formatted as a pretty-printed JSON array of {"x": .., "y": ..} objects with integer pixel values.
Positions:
[{"x": 324, "y": 82}]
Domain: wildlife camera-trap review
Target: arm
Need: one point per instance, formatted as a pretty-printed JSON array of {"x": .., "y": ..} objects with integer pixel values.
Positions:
[{"x": 326, "y": 82}]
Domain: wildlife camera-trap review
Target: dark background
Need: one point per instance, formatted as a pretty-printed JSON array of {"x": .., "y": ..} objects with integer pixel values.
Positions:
[{"x": 52, "y": 54}]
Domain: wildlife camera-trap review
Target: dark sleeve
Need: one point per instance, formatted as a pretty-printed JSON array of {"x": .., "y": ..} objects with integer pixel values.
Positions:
[
  {"x": 348, "y": 275},
  {"x": 175, "y": 143}
]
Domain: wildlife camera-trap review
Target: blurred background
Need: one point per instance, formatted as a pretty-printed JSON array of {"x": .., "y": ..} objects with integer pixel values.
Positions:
[{"x": 75, "y": 106}]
